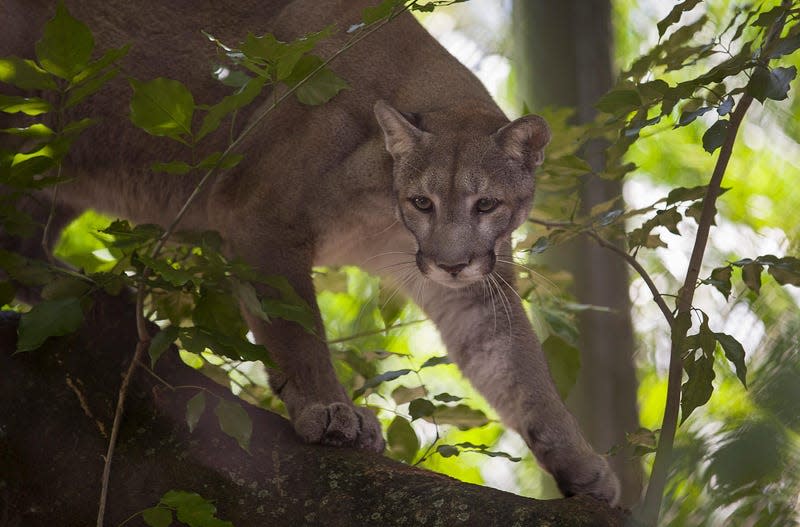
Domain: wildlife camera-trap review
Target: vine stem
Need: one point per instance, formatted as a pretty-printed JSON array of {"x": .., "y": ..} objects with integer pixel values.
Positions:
[
  {"x": 669, "y": 425},
  {"x": 141, "y": 323}
]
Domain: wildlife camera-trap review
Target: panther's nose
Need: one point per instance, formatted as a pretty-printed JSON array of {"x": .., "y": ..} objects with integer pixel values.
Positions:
[{"x": 453, "y": 269}]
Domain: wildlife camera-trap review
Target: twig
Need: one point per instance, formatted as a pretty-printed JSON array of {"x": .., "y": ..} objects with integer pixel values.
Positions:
[
  {"x": 123, "y": 392},
  {"x": 657, "y": 296},
  {"x": 658, "y": 478},
  {"x": 375, "y": 331}
]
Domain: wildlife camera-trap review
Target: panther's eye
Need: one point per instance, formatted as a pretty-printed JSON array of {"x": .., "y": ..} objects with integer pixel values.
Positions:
[
  {"x": 485, "y": 205},
  {"x": 422, "y": 203}
]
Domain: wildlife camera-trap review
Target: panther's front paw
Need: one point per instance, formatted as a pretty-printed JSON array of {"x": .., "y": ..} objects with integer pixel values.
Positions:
[
  {"x": 340, "y": 424},
  {"x": 588, "y": 474}
]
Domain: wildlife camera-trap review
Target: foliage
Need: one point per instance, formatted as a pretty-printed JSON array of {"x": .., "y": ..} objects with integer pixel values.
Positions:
[{"x": 686, "y": 82}]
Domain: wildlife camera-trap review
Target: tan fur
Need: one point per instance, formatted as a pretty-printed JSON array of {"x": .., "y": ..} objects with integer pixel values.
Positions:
[{"x": 337, "y": 184}]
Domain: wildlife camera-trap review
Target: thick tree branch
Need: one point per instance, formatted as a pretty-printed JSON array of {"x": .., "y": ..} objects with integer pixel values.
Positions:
[{"x": 57, "y": 403}]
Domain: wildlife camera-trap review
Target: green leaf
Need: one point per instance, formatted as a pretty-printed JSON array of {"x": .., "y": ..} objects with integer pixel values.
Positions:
[
  {"x": 619, "y": 102},
  {"x": 7, "y": 292},
  {"x": 680, "y": 194},
  {"x": 25, "y": 74},
  {"x": 715, "y": 135},
  {"x": 216, "y": 160},
  {"x": 162, "y": 107},
  {"x": 402, "y": 394},
  {"x": 447, "y": 450},
  {"x": 37, "y": 130},
  {"x": 447, "y": 398},
  {"x": 420, "y": 408},
  {"x": 235, "y": 422},
  {"x": 321, "y": 87},
  {"x": 541, "y": 245},
  {"x": 81, "y": 91},
  {"x": 379, "y": 379},
  {"x": 66, "y": 45},
  {"x": 484, "y": 449},
  {"x": 721, "y": 279},
  {"x": 370, "y": 15},
  {"x": 751, "y": 275},
  {"x": 435, "y": 361},
  {"x": 50, "y": 318},
  {"x": 461, "y": 416},
  {"x": 674, "y": 16},
  {"x": 735, "y": 353},
  {"x": 161, "y": 342},
  {"x": 564, "y": 361},
  {"x": 725, "y": 106},
  {"x": 219, "y": 313},
  {"x": 785, "y": 271},
  {"x": 230, "y": 104},
  {"x": 697, "y": 389},
  {"x": 172, "y": 167},
  {"x": 299, "y": 313},
  {"x": 198, "y": 339},
  {"x": 193, "y": 510},
  {"x": 785, "y": 46},
  {"x": 689, "y": 116},
  {"x": 194, "y": 410},
  {"x": 96, "y": 67},
  {"x": 765, "y": 84},
  {"x": 402, "y": 440},
  {"x": 27, "y": 105},
  {"x": 157, "y": 517}
]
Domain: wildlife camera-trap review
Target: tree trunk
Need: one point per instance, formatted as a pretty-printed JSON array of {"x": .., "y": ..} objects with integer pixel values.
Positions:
[
  {"x": 56, "y": 410},
  {"x": 563, "y": 52}
]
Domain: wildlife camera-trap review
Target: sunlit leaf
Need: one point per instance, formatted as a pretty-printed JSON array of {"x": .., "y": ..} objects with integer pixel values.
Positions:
[
  {"x": 25, "y": 74},
  {"x": 192, "y": 509},
  {"x": 37, "y": 130},
  {"x": 27, "y": 105}
]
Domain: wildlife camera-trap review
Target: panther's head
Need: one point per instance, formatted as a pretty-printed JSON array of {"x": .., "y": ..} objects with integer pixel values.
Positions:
[{"x": 462, "y": 187}]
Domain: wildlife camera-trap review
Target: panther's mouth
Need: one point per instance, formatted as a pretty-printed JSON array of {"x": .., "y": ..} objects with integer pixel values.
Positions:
[{"x": 455, "y": 274}]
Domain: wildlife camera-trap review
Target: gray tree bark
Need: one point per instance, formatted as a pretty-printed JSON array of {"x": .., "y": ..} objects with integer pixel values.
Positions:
[
  {"x": 56, "y": 410},
  {"x": 563, "y": 56}
]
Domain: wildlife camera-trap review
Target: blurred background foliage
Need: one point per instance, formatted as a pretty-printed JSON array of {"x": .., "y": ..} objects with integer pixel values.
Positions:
[{"x": 738, "y": 458}]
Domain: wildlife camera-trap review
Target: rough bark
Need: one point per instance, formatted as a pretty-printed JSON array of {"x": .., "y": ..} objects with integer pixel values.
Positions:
[
  {"x": 564, "y": 54},
  {"x": 56, "y": 408}
]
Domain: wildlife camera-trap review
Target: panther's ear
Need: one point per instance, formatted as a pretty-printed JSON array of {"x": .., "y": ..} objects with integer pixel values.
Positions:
[
  {"x": 524, "y": 139},
  {"x": 401, "y": 136}
]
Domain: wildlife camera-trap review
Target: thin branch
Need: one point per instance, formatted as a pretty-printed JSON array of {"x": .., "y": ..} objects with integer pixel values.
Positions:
[
  {"x": 629, "y": 258},
  {"x": 375, "y": 331},
  {"x": 658, "y": 478},
  {"x": 123, "y": 392}
]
